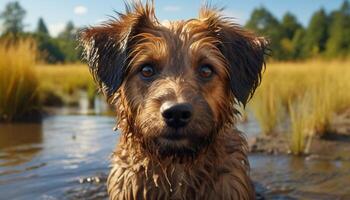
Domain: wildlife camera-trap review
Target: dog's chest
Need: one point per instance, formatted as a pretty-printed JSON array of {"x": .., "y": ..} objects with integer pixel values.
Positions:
[
  {"x": 208, "y": 181},
  {"x": 155, "y": 182}
]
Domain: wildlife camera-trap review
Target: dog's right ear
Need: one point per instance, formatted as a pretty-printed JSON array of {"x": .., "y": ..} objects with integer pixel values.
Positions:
[{"x": 106, "y": 46}]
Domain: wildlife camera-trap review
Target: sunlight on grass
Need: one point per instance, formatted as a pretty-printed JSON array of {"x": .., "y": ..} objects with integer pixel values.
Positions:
[
  {"x": 65, "y": 80},
  {"x": 309, "y": 94},
  {"x": 267, "y": 109},
  {"x": 18, "y": 80}
]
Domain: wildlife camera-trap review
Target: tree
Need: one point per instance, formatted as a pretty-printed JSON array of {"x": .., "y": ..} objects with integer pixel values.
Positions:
[
  {"x": 316, "y": 34},
  {"x": 42, "y": 28},
  {"x": 264, "y": 23},
  {"x": 69, "y": 33},
  {"x": 298, "y": 43},
  {"x": 68, "y": 43},
  {"x": 290, "y": 25},
  {"x": 339, "y": 41},
  {"x": 13, "y": 16}
]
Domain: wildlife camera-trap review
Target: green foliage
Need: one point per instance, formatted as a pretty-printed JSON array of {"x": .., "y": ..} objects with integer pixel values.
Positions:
[
  {"x": 49, "y": 49},
  {"x": 316, "y": 34},
  {"x": 290, "y": 25},
  {"x": 67, "y": 43},
  {"x": 338, "y": 43},
  {"x": 69, "y": 32},
  {"x": 58, "y": 50},
  {"x": 298, "y": 43},
  {"x": 324, "y": 35},
  {"x": 264, "y": 23},
  {"x": 42, "y": 29},
  {"x": 13, "y": 16},
  {"x": 327, "y": 34}
]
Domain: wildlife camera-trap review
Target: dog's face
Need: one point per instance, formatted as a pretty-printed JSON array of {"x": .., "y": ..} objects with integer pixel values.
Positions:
[{"x": 178, "y": 82}]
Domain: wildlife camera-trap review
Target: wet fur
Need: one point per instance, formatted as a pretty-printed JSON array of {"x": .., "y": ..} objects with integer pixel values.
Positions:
[{"x": 211, "y": 161}]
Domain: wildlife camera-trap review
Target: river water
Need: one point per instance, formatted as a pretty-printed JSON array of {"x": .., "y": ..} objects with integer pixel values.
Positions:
[{"x": 67, "y": 157}]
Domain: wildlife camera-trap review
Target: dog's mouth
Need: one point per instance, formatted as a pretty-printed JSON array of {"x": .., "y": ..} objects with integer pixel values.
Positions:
[
  {"x": 175, "y": 135},
  {"x": 174, "y": 138},
  {"x": 181, "y": 143}
]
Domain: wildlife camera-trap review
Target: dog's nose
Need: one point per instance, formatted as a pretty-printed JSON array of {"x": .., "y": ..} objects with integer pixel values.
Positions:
[{"x": 176, "y": 115}]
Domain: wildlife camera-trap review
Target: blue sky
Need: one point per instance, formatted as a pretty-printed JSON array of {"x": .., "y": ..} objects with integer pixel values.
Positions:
[{"x": 56, "y": 13}]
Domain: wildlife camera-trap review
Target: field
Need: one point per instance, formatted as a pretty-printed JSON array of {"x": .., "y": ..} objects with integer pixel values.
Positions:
[
  {"x": 59, "y": 84},
  {"x": 303, "y": 96}
]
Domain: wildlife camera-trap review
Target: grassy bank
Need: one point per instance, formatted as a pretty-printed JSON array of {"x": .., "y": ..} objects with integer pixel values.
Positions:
[
  {"x": 26, "y": 86},
  {"x": 304, "y": 95},
  {"x": 18, "y": 81},
  {"x": 59, "y": 84}
]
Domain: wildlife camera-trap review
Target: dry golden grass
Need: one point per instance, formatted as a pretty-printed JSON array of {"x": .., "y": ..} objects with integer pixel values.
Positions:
[
  {"x": 65, "y": 80},
  {"x": 307, "y": 94},
  {"x": 18, "y": 80},
  {"x": 25, "y": 86}
]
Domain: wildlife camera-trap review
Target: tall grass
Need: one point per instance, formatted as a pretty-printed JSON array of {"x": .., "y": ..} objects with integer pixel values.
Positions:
[
  {"x": 18, "y": 80},
  {"x": 309, "y": 93},
  {"x": 267, "y": 109},
  {"x": 65, "y": 81}
]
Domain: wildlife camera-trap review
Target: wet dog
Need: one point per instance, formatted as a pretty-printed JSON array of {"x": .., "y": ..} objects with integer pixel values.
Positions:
[{"x": 176, "y": 87}]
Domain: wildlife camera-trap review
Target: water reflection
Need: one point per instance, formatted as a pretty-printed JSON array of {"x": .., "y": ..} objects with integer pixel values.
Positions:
[
  {"x": 47, "y": 161},
  {"x": 19, "y": 143}
]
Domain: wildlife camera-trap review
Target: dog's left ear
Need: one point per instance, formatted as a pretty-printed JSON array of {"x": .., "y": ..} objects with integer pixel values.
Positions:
[
  {"x": 244, "y": 53},
  {"x": 106, "y": 47}
]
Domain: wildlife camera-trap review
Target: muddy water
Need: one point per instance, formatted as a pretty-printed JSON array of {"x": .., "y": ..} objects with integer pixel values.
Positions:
[{"x": 66, "y": 157}]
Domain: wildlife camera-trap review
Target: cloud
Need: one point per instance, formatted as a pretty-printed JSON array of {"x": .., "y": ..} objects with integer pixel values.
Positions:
[
  {"x": 172, "y": 8},
  {"x": 80, "y": 10},
  {"x": 57, "y": 28}
]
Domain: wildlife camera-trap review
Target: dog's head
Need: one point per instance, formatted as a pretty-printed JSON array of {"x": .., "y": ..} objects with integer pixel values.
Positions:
[{"x": 175, "y": 85}]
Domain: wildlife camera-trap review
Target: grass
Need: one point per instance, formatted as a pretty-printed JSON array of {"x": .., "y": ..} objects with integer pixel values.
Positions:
[
  {"x": 18, "y": 80},
  {"x": 25, "y": 85},
  {"x": 267, "y": 109},
  {"x": 306, "y": 94},
  {"x": 64, "y": 81}
]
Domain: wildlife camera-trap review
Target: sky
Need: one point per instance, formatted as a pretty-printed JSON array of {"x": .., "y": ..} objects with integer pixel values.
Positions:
[{"x": 57, "y": 13}]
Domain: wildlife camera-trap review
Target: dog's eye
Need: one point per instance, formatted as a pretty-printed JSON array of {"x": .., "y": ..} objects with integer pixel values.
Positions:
[
  {"x": 206, "y": 71},
  {"x": 147, "y": 71}
]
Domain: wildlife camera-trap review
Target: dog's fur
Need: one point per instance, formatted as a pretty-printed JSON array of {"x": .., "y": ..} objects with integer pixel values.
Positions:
[{"x": 209, "y": 161}]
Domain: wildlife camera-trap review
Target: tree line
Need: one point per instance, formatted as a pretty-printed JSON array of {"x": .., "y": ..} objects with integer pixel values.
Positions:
[
  {"x": 326, "y": 35},
  {"x": 60, "y": 49}
]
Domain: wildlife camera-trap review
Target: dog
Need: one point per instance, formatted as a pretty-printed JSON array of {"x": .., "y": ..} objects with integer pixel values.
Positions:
[{"x": 176, "y": 87}]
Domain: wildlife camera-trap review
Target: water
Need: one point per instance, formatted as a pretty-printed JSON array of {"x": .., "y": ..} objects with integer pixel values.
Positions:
[
  {"x": 67, "y": 157},
  {"x": 49, "y": 161}
]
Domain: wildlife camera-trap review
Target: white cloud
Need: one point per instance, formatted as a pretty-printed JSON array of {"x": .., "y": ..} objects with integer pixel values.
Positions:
[
  {"x": 80, "y": 10},
  {"x": 57, "y": 28},
  {"x": 172, "y": 8}
]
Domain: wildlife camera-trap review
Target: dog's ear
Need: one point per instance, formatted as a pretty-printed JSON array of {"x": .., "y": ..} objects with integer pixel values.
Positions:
[
  {"x": 106, "y": 46},
  {"x": 244, "y": 53}
]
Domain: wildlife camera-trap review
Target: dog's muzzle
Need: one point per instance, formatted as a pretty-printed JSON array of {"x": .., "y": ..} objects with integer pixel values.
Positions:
[{"x": 176, "y": 115}]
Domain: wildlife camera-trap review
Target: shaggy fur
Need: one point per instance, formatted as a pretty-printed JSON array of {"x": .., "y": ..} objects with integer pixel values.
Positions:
[{"x": 205, "y": 159}]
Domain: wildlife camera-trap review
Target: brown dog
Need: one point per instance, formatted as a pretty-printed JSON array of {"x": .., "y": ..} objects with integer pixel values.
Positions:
[{"x": 175, "y": 88}]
